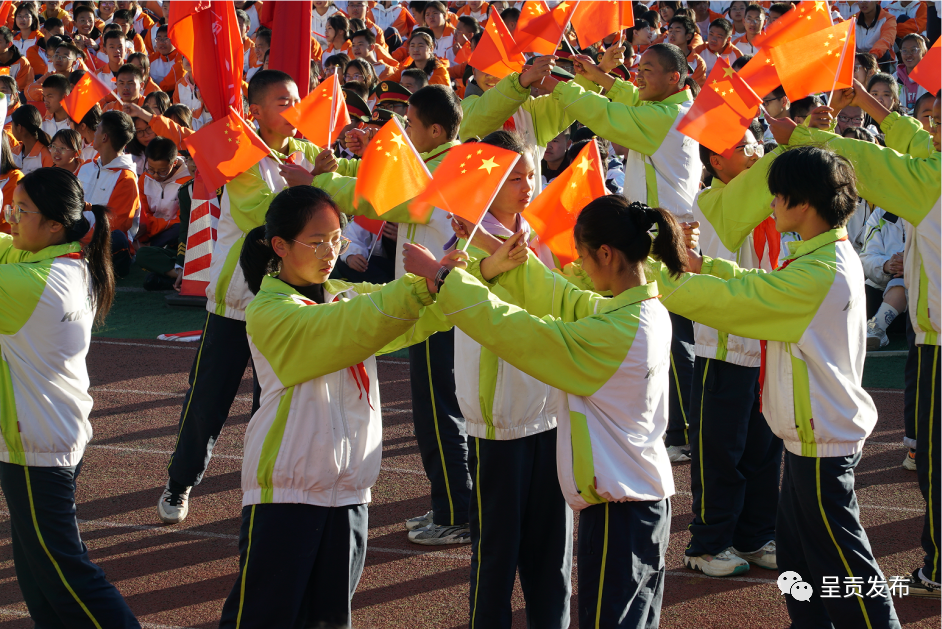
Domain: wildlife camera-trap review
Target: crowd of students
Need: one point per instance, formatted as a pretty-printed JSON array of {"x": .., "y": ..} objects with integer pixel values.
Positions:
[{"x": 719, "y": 312}]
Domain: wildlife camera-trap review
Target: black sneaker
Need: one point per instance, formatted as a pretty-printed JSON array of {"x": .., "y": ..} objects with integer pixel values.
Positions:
[
  {"x": 158, "y": 281},
  {"x": 922, "y": 587}
]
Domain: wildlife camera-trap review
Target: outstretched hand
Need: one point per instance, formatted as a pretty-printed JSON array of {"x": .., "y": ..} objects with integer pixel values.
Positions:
[
  {"x": 694, "y": 262},
  {"x": 821, "y": 117},
  {"x": 483, "y": 240},
  {"x": 781, "y": 128},
  {"x": 511, "y": 254}
]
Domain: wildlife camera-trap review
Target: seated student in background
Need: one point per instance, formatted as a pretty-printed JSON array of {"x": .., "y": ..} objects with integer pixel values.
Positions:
[
  {"x": 364, "y": 47},
  {"x": 865, "y": 66},
  {"x": 923, "y": 110},
  {"x": 777, "y": 105},
  {"x": 10, "y": 177},
  {"x": 681, "y": 33},
  {"x": 337, "y": 34},
  {"x": 13, "y": 60},
  {"x": 421, "y": 50},
  {"x": 128, "y": 83},
  {"x": 111, "y": 180},
  {"x": 556, "y": 158},
  {"x": 800, "y": 109},
  {"x": 257, "y": 53},
  {"x": 882, "y": 260},
  {"x": 31, "y": 152},
  {"x": 113, "y": 53},
  {"x": 755, "y": 24},
  {"x": 26, "y": 25},
  {"x": 885, "y": 89},
  {"x": 413, "y": 79},
  {"x": 165, "y": 62},
  {"x": 369, "y": 257},
  {"x": 186, "y": 93},
  {"x": 66, "y": 150},
  {"x": 436, "y": 20},
  {"x": 876, "y": 32},
  {"x": 164, "y": 265},
  {"x": 142, "y": 61},
  {"x": 156, "y": 103},
  {"x": 86, "y": 128},
  {"x": 163, "y": 176},
  {"x": 718, "y": 44},
  {"x": 41, "y": 53}
]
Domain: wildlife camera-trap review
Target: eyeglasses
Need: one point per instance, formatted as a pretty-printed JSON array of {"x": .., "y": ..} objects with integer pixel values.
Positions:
[
  {"x": 934, "y": 124},
  {"x": 856, "y": 119},
  {"x": 324, "y": 249},
  {"x": 143, "y": 133},
  {"x": 13, "y": 213},
  {"x": 59, "y": 149},
  {"x": 767, "y": 100},
  {"x": 753, "y": 20},
  {"x": 158, "y": 173},
  {"x": 62, "y": 57},
  {"x": 752, "y": 149},
  {"x": 354, "y": 77},
  {"x": 910, "y": 51}
]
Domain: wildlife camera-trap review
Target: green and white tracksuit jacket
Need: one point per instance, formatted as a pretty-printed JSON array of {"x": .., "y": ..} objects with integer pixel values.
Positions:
[
  {"x": 538, "y": 119},
  {"x": 244, "y": 203},
  {"x": 610, "y": 356},
  {"x": 662, "y": 167},
  {"x": 728, "y": 214},
  {"x": 812, "y": 313},
  {"x": 317, "y": 436},
  {"x": 904, "y": 178},
  {"x": 46, "y": 316}
]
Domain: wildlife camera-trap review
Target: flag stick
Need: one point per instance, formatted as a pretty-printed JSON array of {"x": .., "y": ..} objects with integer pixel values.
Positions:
[
  {"x": 467, "y": 243},
  {"x": 840, "y": 63},
  {"x": 332, "y": 121},
  {"x": 378, "y": 238}
]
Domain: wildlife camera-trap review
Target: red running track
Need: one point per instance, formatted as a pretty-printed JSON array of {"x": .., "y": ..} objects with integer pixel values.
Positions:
[{"x": 179, "y": 576}]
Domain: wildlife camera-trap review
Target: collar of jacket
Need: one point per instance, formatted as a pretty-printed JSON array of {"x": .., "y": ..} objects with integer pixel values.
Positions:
[
  {"x": 53, "y": 251},
  {"x": 628, "y": 297},
  {"x": 800, "y": 248}
]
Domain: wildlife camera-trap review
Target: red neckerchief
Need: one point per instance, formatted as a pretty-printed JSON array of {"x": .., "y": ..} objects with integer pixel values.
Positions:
[
  {"x": 75, "y": 255},
  {"x": 765, "y": 233},
  {"x": 428, "y": 159},
  {"x": 510, "y": 125}
]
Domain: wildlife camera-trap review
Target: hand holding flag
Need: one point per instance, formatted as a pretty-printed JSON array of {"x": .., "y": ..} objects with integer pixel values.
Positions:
[
  {"x": 493, "y": 53},
  {"x": 817, "y": 62},
  {"x": 594, "y": 21},
  {"x": 326, "y": 103},
  {"x": 389, "y": 159},
  {"x": 543, "y": 34}
]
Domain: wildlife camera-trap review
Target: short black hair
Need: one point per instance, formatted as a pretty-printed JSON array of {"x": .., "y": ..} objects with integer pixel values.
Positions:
[
  {"x": 119, "y": 127},
  {"x": 821, "y": 178},
  {"x": 929, "y": 96},
  {"x": 741, "y": 62},
  {"x": 263, "y": 80},
  {"x": 471, "y": 23},
  {"x": 366, "y": 34},
  {"x": 867, "y": 61},
  {"x": 130, "y": 68},
  {"x": 340, "y": 60},
  {"x": 163, "y": 28},
  {"x": 123, "y": 14},
  {"x": 689, "y": 25},
  {"x": 723, "y": 24},
  {"x": 243, "y": 17},
  {"x": 754, "y": 7},
  {"x": 263, "y": 34},
  {"x": 510, "y": 15},
  {"x": 56, "y": 82},
  {"x": 80, "y": 9},
  {"x": 781, "y": 7},
  {"x": 672, "y": 60},
  {"x": 7, "y": 34},
  {"x": 108, "y": 36},
  {"x": 93, "y": 118},
  {"x": 417, "y": 75},
  {"x": 778, "y": 92},
  {"x": 438, "y": 104},
  {"x": 52, "y": 23},
  {"x": 72, "y": 48},
  {"x": 802, "y": 107},
  {"x": 161, "y": 149}
]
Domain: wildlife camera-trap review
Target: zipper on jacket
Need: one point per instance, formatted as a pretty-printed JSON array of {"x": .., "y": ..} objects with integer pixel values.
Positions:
[{"x": 344, "y": 448}]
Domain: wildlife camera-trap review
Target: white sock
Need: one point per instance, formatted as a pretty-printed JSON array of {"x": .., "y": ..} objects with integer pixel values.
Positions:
[{"x": 885, "y": 316}]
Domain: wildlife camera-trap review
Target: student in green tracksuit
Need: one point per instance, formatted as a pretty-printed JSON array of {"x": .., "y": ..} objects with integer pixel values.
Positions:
[
  {"x": 313, "y": 448},
  {"x": 904, "y": 178},
  {"x": 611, "y": 357},
  {"x": 51, "y": 293},
  {"x": 811, "y": 315}
]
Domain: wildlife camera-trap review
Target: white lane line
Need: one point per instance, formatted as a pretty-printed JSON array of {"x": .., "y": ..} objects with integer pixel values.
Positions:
[
  {"x": 6, "y": 611},
  {"x": 700, "y": 575}
]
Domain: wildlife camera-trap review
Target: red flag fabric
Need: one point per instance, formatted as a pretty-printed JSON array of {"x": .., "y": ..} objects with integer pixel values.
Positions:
[
  {"x": 321, "y": 114},
  {"x": 88, "y": 91},
  {"x": 467, "y": 180},
  {"x": 492, "y": 54},
  {"x": 553, "y": 213},
  {"x": 817, "y": 62},
  {"x": 928, "y": 72},
  {"x": 372, "y": 225},
  {"x": 806, "y": 18},
  {"x": 594, "y": 21},
  {"x": 531, "y": 9},
  {"x": 722, "y": 111},
  {"x": 266, "y": 14},
  {"x": 224, "y": 149},
  {"x": 207, "y": 33},
  {"x": 290, "y": 43},
  {"x": 542, "y": 34},
  {"x": 760, "y": 73},
  {"x": 5, "y": 7},
  {"x": 390, "y": 157}
]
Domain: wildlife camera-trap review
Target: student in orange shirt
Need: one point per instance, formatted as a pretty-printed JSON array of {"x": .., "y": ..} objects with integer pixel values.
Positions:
[
  {"x": 737, "y": 17},
  {"x": 248, "y": 46},
  {"x": 115, "y": 47},
  {"x": 187, "y": 94},
  {"x": 87, "y": 29},
  {"x": 10, "y": 57},
  {"x": 123, "y": 19},
  {"x": 141, "y": 60},
  {"x": 421, "y": 45},
  {"x": 38, "y": 54},
  {"x": 163, "y": 177},
  {"x": 86, "y": 128},
  {"x": 128, "y": 83},
  {"x": 55, "y": 88},
  {"x": 358, "y": 10},
  {"x": 755, "y": 24},
  {"x": 478, "y": 9},
  {"x": 66, "y": 150},
  {"x": 680, "y": 33},
  {"x": 436, "y": 19},
  {"x": 165, "y": 64},
  {"x": 262, "y": 45},
  {"x": 140, "y": 21},
  {"x": 363, "y": 46},
  {"x": 64, "y": 59},
  {"x": 718, "y": 44},
  {"x": 10, "y": 177},
  {"x": 31, "y": 152},
  {"x": 337, "y": 35},
  {"x": 26, "y": 24}
]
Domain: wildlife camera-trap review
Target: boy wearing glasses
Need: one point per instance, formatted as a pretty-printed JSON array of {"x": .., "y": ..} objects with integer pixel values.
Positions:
[
  {"x": 735, "y": 457},
  {"x": 163, "y": 176}
]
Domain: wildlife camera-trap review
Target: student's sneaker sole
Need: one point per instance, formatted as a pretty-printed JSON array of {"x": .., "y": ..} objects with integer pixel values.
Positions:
[
  {"x": 419, "y": 521},
  {"x": 765, "y": 557},
  {"x": 435, "y": 535},
  {"x": 909, "y": 463},
  {"x": 678, "y": 454},
  {"x": 921, "y": 588},
  {"x": 725, "y": 564}
]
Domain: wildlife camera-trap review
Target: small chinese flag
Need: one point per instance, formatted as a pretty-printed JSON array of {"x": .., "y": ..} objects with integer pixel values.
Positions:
[
  {"x": 492, "y": 54},
  {"x": 806, "y": 18},
  {"x": 594, "y": 21},
  {"x": 321, "y": 114},
  {"x": 723, "y": 110},
  {"x": 817, "y": 62},
  {"x": 88, "y": 91},
  {"x": 463, "y": 54},
  {"x": 531, "y": 9},
  {"x": 224, "y": 149},
  {"x": 391, "y": 171},
  {"x": 553, "y": 213},
  {"x": 372, "y": 225},
  {"x": 928, "y": 72},
  {"x": 542, "y": 34},
  {"x": 5, "y": 8},
  {"x": 467, "y": 181}
]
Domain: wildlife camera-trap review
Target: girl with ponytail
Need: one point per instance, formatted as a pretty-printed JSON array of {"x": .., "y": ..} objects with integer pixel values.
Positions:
[
  {"x": 313, "y": 448},
  {"x": 51, "y": 294},
  {"x": 611, "y": 357},
  {"x": 32, "y": 152}
]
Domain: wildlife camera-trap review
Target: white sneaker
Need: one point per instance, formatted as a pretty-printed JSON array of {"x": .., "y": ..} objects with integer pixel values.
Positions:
[
  {"x": 419, "y": 521},
  {"x": 764, "y": 557},
  {"x": 678, "y": 454},
  {"x": 173, "y": 507},
  {"x": 725, "y": 564},
  {"x": 876, "y": 336},
  {"x": 435, "y": 535},
  {"x": 909, "y": 463}
]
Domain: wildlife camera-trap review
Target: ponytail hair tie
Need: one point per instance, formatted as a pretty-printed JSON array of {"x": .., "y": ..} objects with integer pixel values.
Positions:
[
  {"x": 88, "y": 207},
  {"x": 652, "y": 216}
]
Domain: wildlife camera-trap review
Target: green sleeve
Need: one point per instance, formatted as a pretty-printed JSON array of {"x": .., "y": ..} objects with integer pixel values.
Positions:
[
  {"x": 751, "y": 303},
  {"x": 249, "y": 198},
  {"x": 577, "y": 357},
  {"x": 736, "y": 208},
  {"x": 902, "y": 184},
  {"x": 625, "y": 93},
  {"x": 21, "y": 286},
  {"x": 542, "y": 292},
  {"x": 641, "y": 129},
  {"x": 906, "y": 135},
  {"x": 305, "y": 342}
]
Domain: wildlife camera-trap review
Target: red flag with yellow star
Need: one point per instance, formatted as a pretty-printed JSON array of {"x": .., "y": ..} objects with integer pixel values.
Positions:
[
  {"x": 224, "y": 149},
  {"x": 817, "y": 62},
  {"x": 321, "y": 114},
  {"x": 722, "y": 111},
  {"x": 492, "y": 54},
  {"x": 553, "y": 213},
  {"x": 88, "y": 91},
  {"x": 927, "y": 72},
  {"x": 542, "y": 34},
  {"x": 806, "y": 18},
  {"x": 530, "y": 10},
  {"x": 466, "y": 181},
  {"x": 391, "y": 172},
  {"x": 594, "y": 21}
]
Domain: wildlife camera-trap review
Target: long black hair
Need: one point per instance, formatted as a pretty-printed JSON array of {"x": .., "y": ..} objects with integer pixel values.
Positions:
[
  {"x": 287, "y": 216},
  {"x": 30, "y": 119},
  {"x": 612, "y": 221},
  {"x": 59, "y": 197},
  {"x": 6, "y": 156}
]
